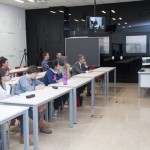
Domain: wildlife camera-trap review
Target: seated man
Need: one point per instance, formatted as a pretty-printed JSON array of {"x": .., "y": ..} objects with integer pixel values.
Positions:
[
  {"x": 45, "y": 61},
  {"x": 53, "y": 75},
  {"x": 27, "y": 83},
  {"x": 77, "y": 68}
]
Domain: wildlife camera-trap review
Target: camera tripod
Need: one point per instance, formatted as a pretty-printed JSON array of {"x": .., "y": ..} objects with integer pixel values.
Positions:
[{"x": 24, "y": 56}]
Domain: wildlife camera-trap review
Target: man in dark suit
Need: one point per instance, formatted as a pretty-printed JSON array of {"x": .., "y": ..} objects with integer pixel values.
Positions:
[{"x": 77, "y": 68}]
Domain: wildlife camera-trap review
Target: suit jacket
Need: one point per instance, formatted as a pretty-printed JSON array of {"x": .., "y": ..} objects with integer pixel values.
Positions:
[{"x": 76, "y": 69}]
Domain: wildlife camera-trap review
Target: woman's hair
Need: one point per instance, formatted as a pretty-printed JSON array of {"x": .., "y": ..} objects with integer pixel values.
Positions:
[
  {"x": 53, "y": 64},
  {"x": 44, "y": 54},
  {"x": 2, "y": 61},
  {"x": 32, "y": 69},
  {"x": 2, "y": 74}
]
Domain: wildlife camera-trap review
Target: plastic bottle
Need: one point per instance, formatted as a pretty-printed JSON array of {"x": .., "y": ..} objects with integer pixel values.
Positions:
[{"x": 65, "y": 79}]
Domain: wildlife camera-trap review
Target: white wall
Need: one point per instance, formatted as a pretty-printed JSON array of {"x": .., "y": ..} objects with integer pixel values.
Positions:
[{"x": 12, "y": 34}]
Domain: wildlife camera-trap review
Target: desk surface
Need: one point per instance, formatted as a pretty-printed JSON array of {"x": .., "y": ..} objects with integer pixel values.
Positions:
[
  {"x": 20, "y": 70},
  {"x": 89, "y": 75},
  {"x": 14, "y": 80},
  {"x": 41, "y": 96},
  {"x": 145, "y": 71},
  {"x": 10, "y": 112},
  {"x": 104, "y": 69},
  {"x": 73, "y": 82}
]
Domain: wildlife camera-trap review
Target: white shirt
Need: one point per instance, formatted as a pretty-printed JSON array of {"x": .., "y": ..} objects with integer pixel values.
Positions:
[{"x": 4, "y": 93}]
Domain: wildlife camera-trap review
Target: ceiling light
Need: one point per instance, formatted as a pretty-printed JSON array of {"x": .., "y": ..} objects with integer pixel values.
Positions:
[
  {"x": 83, "y": 20},
  {"x": 65, "y": 20},
  {"x": 31, "y": 1},
  {"x": 125, "y": 23},
  {"x": 119, "y": 24},
  {"x": 20, "y": 1},
  {"x": 53, "y": 12},
  {"x": 113, "y": 11},
  {"x": 104, "y": 12},
  {"x": 69, "y": 14},
  {"x": 129, "y": 26},
  {"x": 120, "y": 18},
  {"x": 123, "y": 26},
  {"x": 61, "y": 11},
  {"x": 113, "y": 19},
  {"x": 76, "y": 20}
]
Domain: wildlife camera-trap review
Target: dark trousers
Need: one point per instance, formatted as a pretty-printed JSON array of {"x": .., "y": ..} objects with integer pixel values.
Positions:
[{"x": 60, "y": 101}]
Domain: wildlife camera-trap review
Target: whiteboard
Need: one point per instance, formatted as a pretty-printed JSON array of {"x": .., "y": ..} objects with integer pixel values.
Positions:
[{"x": 88, "y": 46}]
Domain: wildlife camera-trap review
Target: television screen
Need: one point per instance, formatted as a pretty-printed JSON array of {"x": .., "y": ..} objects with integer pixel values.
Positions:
[
  {"x": 95, "y": 22},
  {"x": 145, "y": 61}
]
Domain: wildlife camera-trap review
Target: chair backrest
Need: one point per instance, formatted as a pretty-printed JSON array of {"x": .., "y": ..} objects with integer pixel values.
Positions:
[
  {"x": 91, "y": 68},
  {"x": 18, "y": 74}
]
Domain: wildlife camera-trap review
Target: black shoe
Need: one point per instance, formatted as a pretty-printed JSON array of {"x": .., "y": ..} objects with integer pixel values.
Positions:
[{"x": 88, "y": 94}]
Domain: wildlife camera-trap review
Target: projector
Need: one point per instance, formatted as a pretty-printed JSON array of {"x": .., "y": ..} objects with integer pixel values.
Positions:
[{"x": 41, "y": 1}]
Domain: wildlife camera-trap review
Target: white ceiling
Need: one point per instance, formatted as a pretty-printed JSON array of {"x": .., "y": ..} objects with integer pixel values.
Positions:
[{"x": 55, "y": 3}]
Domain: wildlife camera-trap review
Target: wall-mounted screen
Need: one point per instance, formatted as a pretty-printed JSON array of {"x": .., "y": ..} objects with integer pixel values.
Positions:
[
  {"x": 145, "y": 61},
  {"x": 136, "y": 44},
  {"x": 95, "y": 22}
]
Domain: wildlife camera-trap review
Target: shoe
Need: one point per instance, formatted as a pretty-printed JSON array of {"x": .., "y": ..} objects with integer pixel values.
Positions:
[
  {"x": 55, "y": 113},
  {"x": 44, "y": 124},
  {"x": 88, "y": 94},
  {"x": 45, "y": 130},
  {"x": 22, "y": 141}
]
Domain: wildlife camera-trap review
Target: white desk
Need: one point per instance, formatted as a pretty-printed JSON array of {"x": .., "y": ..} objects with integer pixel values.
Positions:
[
  {"x": 41, "y": 97},
  {"x": 11, "y": 112},
  {"x": 14, "y": 71},
  {"x": 143, "y": 79},
  {"x": 107, "y": 70},
  {"x": 75, "y": 83}
]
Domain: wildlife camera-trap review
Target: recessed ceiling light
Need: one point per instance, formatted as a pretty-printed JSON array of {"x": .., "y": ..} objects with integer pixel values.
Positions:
[
  {"x": 31, "y": 1},
  {"x": 125, "y": 23},
  {"x": 123, "y": 26},
  {"x": 113, "y": 18},
  {"x": 120, "y": 18},
  {"x": 104, "y": 12},
  {"x": 61, "y": 11},
  {"x": 69, "y": 14},
  {"x": 113, "y": 11},
  {"x": 119, "y": 24},
  {"x": 53, "y": 12},
  {"x": 129, "y": 26},
  {"x": 20, "y": 1},
  {"x": 65, "y": 20},
  {"x": 83, "y": 20},
  {"x": 76, "y": 20}
]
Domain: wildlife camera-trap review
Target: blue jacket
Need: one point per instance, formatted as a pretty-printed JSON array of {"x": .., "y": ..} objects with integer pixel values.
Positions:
[
  {"x": 50, "y": 75},
  {"x": 25, "y": 84}
]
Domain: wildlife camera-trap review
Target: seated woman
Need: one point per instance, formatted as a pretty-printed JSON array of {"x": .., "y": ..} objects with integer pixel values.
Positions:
[
  {"x": 26, "y": 83},
  {"x": 4, "y": 91},
  {"x": 53, "y": 75},
  {"x": 4, "y": 63}
]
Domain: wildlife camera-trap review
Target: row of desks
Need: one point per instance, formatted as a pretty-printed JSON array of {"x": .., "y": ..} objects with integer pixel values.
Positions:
[{"x": 49, "y": 94}]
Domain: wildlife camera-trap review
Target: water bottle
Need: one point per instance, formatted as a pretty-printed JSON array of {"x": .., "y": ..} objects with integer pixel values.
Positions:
[{"x": 65, "y": 79}]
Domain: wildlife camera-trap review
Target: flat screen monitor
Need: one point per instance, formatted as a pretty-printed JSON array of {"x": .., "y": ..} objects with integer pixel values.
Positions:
[
  {"x": 145, "y": 61},
  {"x": 95, "y": 22}
]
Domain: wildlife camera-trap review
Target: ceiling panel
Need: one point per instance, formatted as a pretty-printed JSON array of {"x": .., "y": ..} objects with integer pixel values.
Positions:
[{"x": 54, "y": 3}]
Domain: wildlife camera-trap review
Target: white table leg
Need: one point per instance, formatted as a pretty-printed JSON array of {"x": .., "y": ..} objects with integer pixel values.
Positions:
[
  {"x": 35, "y": 127},
  {"x": 51, "y": 111},
  {"x": 3, "y": 135},
  {"x": 70, "y": 109},
  {"x": 74, "y": 105},
  {"x": 92, "y": 93},
  {"x": 115, "y": 80},
  {"x": 139, "y": 83},
  {"x": 107, "y": 83},
  {"x": 26, "y": 130}
]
